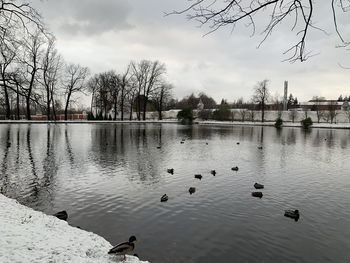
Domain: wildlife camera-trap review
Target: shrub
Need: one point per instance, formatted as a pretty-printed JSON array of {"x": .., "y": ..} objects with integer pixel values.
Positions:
[
  {"x": 205, "y": 114},
  {"x": 306, "y": 123},
  {"x": 278, "y": 123},
  {"x": 222, "y": 114},
  {"x": 185, "y": 116},
  {"x": 90, "y": 116}
]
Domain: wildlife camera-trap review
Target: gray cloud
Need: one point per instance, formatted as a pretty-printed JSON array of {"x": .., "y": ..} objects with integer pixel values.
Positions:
[
  {"x": 88, "y": 16},
  {"x": 222, "y": 64}
]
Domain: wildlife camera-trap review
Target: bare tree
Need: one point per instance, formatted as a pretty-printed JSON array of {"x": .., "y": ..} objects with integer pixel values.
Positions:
[
  {"x": 17, "y": 15},
  {"x": 8, "y": 53},
  {"x": 131, "y": 92},
  {"x": 31, "y": 60},
  {"x": 74, "y": 83},
  {"x": 149, "y": 76},
  {"x": 293, "y": 115},
  {"x": 318, "y": 107},
  {"x": 243, "y": 113},
  {"x": 332, "y": 110},
  {"x": 218, "y": 14},
  {"x": 114, "y": 88},
  {"x": 261, "y": 96},
  {"x": 124, "y": 81},
  {"x": 251, "y": 115},
  {"x": 51, "y": 66},
  {"x": 161, "y": 96}
]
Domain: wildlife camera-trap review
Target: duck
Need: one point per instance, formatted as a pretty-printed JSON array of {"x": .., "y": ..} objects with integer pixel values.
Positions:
[
  {"x": 164, "y": 198},
  {"x": 213, "y": 172},
  {"x": 171, "y": 171},
  {"x": 63, "y": 215},
  {"x": 238, "y": 143},
  {"x": 234, "y": 168},
  {"x": 198, "y": 176},
  {"x": 123, "y": 248},
  {"x": 292, "y": 214},
  {"x": 260, "y": 147},
  {"x": 158, "y": 147},
  {"x": 192, "y": 190},
  {"x": 207, "y": 143},
  {"x": 257, "y": 194},
  {"x": 258, "y": 186},
  {"x": 182, "y": 142}
]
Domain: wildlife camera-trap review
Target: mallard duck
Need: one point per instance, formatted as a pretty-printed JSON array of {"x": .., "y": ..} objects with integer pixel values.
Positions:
[
  {"x": 257, "y": 194},
  {"x": 292, "y": 214},
  {"x": 198, "y": 176},
  {"x": 192, "y": 190},
  {"x": 234, "y": 168},
  {"x": 61, "y": 215},
  {"x": 213, "y": 172},
  {"x": 164, "y": 198},
  {"x": 123, "y": 248},
  {"x": 258, "y": 186},
  {"x": 171, "y": 171}
]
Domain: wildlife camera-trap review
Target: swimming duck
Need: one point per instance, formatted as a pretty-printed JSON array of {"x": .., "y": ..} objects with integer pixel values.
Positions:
[
  {"x": 164, "y": 198},
  {"x": 258, "y": 186},
  {"x": 238, "y": 143},
  {"x": 234, "y": 168},
  {"x": 257, "y": 194},
  {"x": 182, "y": 142},
  {"x": 123, "y": 248},
  {"x": 198, "y": 176},
  {"x": 171, "y": 171},
  {"x": 63, "y": 215},
  {"x": 192, "y": 190},
  {"x": 292, "y": 214},
  {"x": 158, "y": 147},
  {"x": 213, "y": 172},
  {"x": 260, "y": 147}
]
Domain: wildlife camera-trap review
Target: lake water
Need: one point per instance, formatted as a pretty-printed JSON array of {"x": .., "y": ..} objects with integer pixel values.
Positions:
[{"x": 110, "y": 179}]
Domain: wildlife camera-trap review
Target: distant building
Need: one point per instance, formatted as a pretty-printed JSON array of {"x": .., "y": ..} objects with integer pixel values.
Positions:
[{"x": 322, "y": 105}]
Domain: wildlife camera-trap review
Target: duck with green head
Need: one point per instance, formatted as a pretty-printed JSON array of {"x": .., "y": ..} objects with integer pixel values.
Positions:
[{"x": 123, "y": 248}]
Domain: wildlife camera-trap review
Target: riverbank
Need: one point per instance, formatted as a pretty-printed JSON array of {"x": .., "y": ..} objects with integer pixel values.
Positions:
[
  {"x": 174, "y": 121},
  {"x": 271, "y": 124},
  {"x": 31, "y": 236}
]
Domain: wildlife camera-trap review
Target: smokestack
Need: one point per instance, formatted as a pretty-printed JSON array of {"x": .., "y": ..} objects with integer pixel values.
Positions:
[{"x": 285, "y": 98}]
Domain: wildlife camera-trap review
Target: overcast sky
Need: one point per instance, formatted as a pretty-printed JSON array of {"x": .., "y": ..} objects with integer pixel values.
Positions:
[{"x": 108, "y": 34}]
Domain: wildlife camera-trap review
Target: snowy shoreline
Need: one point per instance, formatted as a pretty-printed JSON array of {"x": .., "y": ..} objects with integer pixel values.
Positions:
[
  {"x": 271, "y": 124},
  {"x": 31, "y": 236}
]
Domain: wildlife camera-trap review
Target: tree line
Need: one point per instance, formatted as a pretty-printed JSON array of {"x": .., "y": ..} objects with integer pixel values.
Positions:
[{"x": 34, "y": 76}]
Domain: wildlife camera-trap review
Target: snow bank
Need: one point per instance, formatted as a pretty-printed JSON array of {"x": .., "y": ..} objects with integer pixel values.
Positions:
[
  {"x": 31, "y": 236},
  {"x": 285, "y": 124}
]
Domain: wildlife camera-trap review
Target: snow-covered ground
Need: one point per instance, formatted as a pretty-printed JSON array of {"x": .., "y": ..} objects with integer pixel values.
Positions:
[{"x": 31, "y": 236}]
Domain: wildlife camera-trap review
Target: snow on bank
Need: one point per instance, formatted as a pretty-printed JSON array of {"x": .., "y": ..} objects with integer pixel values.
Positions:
[
  {"x": 285, "y": 124},
  {"x": 31, "y": 236}
]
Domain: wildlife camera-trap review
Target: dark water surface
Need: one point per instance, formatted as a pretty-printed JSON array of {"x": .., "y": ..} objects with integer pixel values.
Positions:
[{"x": 110, "y": 179}]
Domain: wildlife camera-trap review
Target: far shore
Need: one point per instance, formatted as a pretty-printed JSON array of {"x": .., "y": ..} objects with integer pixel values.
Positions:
[{"x": 174, "y": 121}]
